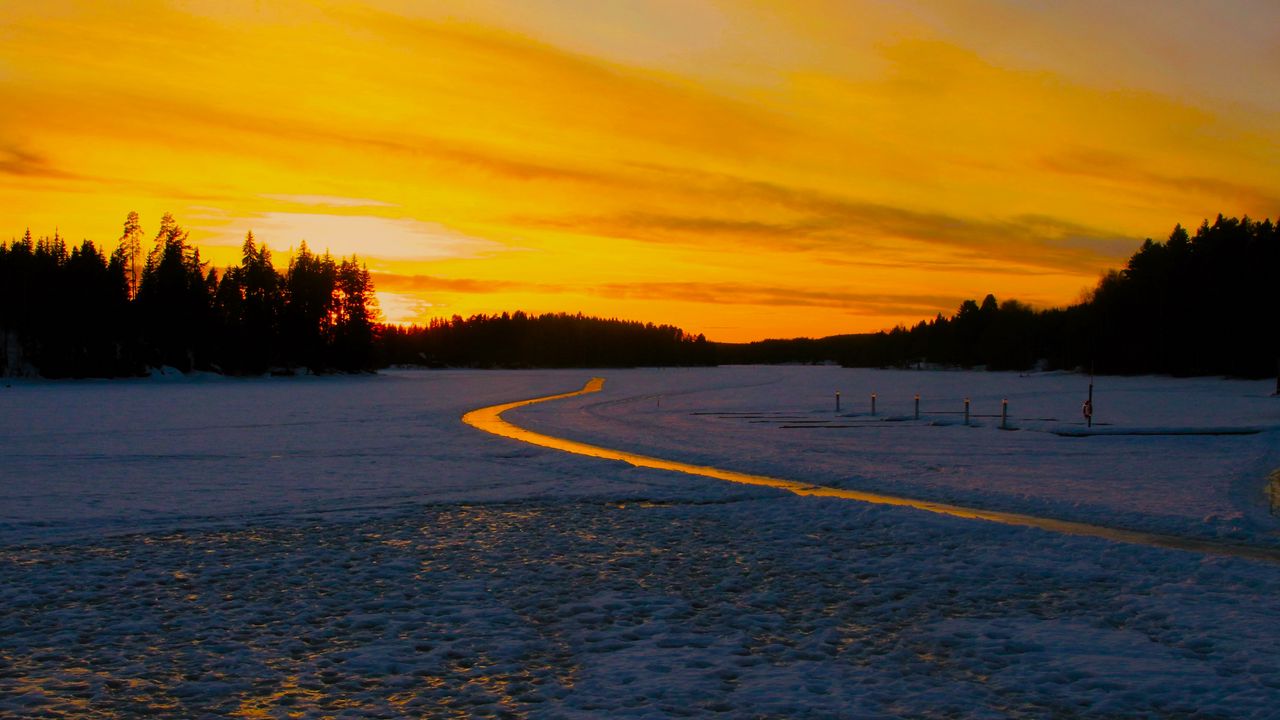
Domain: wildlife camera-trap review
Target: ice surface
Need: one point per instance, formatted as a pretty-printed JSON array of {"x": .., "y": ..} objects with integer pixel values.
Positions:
[
  {"x": 1173, "y": 477},
  {"x": 319, "y": 547}
]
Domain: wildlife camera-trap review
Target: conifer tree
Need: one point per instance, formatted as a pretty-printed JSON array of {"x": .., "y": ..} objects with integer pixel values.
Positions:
[
  {"x": 174, "y": 299},
  {"x": 129, "y": 252},
  {"x": 309, "y": 306},
  {"x": 356, "y": 313}
]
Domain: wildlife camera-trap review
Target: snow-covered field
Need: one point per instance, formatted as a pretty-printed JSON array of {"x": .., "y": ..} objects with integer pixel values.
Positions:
[
  {"x": 346, "y": 547},
  {"x": 1158, "y": 459}
]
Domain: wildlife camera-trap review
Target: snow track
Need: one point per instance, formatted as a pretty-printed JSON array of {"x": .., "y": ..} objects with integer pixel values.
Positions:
[{"x": 490, "y": 420}]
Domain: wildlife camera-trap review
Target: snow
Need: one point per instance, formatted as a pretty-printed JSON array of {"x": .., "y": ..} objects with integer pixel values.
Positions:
[
  {"x": 1165, "y": 474},
  {"x": 345, "y": 547}
]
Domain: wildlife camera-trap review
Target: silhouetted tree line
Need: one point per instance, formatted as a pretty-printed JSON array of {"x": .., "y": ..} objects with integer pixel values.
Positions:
[
  {"x": 552, "y": 340},
  {"x": 779, "y": 351},
  {"x": 1195, "y": 304},
  {"x": 1207, "y": 303},
  {"x": 79, "y": 313}
]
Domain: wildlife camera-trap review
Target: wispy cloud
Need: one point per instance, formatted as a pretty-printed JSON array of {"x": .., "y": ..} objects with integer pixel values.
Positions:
[
  {"x": 1132, "y": 177},
  {"x": 26, "y": 165},
  {"x": 819, "y": 222},
  {"x": 366, "y": 236},
  {"x": 713, "y": 293},
  {"x": 434, "y": 284},
  {"x": 778, "y": 296},
  {"x": 328, "y": 201}
]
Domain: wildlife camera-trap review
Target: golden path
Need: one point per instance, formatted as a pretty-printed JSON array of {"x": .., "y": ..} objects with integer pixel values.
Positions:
[{"x": 490, "y": 420}]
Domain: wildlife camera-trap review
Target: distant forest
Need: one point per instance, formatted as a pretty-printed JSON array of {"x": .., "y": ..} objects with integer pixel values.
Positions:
[
  {"x": 1207, "y": 303},
  {"x": 551, "y": 340},
  {"x": 1202, "y": 304},
  {"x": 80, "y": 313}
]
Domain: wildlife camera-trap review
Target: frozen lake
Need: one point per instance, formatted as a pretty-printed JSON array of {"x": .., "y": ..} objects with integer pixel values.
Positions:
[{"x": 319, "y": 547}]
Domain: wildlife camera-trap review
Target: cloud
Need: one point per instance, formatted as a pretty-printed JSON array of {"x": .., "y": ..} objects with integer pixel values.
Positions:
[
  {"x": 770, "y": 216},
  {"x": 302, "y": 139},
  {"x": 457, "y": 97},
  {"x": 1035, "y": 240},
  {"x": 1127, "y": 171},
  {"x": 328, "y": 201},
  {"x": 367, "y": 236},
  {"x": 574, "y": 94},
  {"x": 751, "y": 294},
  {"x": 28, "y": 165},
  {"x": 429, "y": 283},
  {"x": 402, "y": 309},
  {"x": 717, "y": 293}
]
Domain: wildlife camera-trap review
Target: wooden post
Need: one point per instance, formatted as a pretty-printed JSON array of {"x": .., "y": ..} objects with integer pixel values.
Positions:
[
  {"x": 873, "y": 403},
  {"x": 966, "y": 411},
  {"x": 837, "y": 401},
  {"x": 1004, "y": 414},
  {"x": 1089, "y": 405},
  {"x": 917, "y": 406}
]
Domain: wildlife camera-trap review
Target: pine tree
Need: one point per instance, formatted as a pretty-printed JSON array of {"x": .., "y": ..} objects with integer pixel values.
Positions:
[
  {"x": 262, "y": 289},
  {"x": 129, "y": 251},
  {"x": 355, "y": 318},
  {"x": 174, "y": 299},
  {"x": 309, "y": 307}
]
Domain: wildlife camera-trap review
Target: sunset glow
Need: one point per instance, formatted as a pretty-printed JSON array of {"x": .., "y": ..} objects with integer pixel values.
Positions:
[{"x": 741, "y": 169}]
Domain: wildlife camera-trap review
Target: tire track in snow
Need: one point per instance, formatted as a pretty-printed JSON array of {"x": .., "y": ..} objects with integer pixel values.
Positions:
[{"x": 489, "y": 419}]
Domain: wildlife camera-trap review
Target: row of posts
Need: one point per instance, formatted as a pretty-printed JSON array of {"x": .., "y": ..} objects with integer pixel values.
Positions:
[{"x": 1004, "y": 409}]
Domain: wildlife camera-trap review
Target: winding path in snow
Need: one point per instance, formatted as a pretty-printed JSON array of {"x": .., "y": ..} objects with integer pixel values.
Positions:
[{"x": 489, "y": 419}]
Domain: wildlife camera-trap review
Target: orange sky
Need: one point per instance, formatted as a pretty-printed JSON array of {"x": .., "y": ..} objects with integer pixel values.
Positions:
[{"x": 745, "y": 169}]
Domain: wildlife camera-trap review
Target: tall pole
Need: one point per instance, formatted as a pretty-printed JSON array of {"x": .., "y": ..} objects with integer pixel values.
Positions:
[{"x": 1089, "y": 415}]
